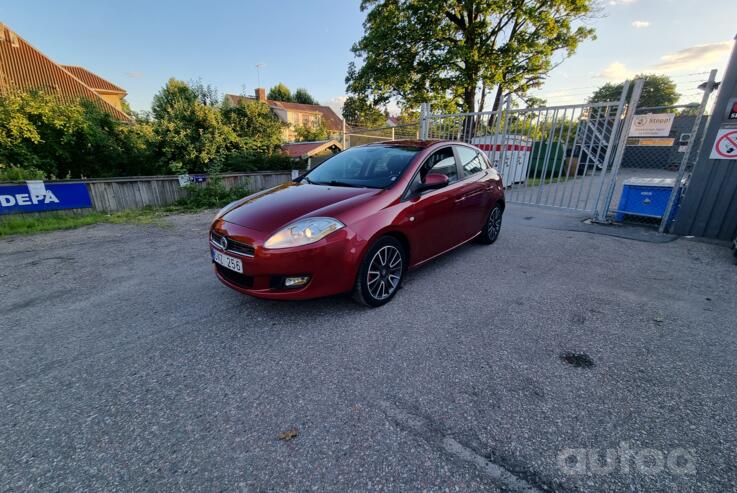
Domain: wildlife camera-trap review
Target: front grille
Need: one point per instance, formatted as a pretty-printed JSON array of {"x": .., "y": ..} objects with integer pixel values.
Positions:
[
  {"x": 233, "y": 246},
  {"x": 240, "y": 280}
]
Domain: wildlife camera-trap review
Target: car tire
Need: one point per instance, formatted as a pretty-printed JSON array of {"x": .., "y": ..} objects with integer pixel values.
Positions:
[
  {"x": 381, "y": 272},
  {"x": 492, "y": 226}
]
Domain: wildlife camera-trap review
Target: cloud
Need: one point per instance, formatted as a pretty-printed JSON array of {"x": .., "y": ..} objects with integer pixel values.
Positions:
[
  {"x": 616, "y": 71},
  {"x": 640, "y": 24},
  {"x": 694, "y": 57},
  {"x": 557, "y": 94},
  {"x": 621, "y": 2},
  {"x": 134, "y": 75},
  {"x": 336, "y": 104}
]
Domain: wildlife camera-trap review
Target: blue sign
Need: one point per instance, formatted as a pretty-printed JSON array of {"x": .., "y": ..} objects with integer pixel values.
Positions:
[{"x": 43, "y": 197}]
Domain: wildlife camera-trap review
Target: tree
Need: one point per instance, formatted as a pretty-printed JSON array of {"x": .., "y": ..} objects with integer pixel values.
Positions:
[
  {"x": 258, "y": 129},
  {"x": 658, "y": 90},
  {"x": 42, "y": 136},
  {"x": 452, "y": 51},
  {"x": 311, "y": 133},
  {"x": 359, "y": 112},
  {"x": 173, "y": 94},
  {"x": 280, "y": 92},
  {"x": 302, "y": 96},
  {"x": 187, "y": 130},
  {"x": 206, "y": 94},
  {"x": 191, "y": 135}
]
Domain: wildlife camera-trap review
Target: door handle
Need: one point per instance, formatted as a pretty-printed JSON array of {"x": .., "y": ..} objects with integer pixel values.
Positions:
[{"x": 461, "y": 199}]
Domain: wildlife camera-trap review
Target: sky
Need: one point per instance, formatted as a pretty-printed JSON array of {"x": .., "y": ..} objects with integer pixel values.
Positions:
[{"x": 138, "y": 44}]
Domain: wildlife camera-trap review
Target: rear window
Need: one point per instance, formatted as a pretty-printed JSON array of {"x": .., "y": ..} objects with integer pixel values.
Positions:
[
  {"x": 471, "y": 161},
  {"x": 370, "y": 167}
]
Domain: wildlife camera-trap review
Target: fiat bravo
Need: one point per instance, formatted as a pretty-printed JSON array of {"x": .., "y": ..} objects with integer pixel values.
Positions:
[{"x": 358, "y": 221}]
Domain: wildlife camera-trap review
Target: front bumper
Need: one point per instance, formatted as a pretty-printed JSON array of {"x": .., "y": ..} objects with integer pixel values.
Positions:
[{"x": 331, "y": 263}]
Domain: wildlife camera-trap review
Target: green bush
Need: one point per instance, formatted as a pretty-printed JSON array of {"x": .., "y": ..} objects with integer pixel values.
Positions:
[
  {"x": 188, "y": 131},
  {"x": 247, "y": 161},
  {"x": 556, "y": 159},
  {"x": 212, "y": 195},
  {"x": 16, "y": 173},
  {"x": 70, "y": 140}
]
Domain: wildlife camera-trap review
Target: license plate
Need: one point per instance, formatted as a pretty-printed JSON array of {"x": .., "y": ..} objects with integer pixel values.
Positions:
[{"x": 227, "y": 261}]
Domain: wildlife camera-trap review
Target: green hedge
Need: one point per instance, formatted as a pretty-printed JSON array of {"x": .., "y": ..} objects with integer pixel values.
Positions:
[{"x": 556, "y": 159}]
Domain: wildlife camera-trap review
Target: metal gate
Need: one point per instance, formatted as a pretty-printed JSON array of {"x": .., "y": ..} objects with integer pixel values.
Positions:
[
  {"x": 666, "y": 158},
  {"x": 567, "y": 157},
  {"x": 558, "y": 156}
]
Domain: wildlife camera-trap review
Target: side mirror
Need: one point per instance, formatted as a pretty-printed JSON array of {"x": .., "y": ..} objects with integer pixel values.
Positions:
[{"x": 433, "y": 181}]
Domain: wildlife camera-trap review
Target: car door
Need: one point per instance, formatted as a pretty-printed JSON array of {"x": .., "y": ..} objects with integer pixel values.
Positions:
[
  {"x": 473, "y": 201},
  {"x": 434, "y": 213}
]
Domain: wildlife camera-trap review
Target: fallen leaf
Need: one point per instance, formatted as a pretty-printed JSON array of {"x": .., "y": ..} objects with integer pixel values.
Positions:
[{"x": 289, "y": 434}]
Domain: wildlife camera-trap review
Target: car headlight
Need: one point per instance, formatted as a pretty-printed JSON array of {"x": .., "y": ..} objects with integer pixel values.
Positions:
[{"x": 303, "y": 232}]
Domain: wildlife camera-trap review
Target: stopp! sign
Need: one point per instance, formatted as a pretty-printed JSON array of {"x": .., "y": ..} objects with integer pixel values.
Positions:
[{"x": 48, "y": 197}]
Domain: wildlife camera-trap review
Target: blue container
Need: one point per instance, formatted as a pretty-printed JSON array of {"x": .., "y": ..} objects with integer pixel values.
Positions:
[{"x": 646, "y": 197}]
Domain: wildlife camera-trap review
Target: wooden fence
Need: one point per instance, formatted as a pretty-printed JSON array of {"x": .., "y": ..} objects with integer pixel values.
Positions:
[{"x": 137, "y": 192}]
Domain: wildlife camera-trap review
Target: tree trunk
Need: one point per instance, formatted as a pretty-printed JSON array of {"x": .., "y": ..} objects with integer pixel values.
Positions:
[
  {"x": 498, "y": 97},
  {"x": 482, "y": 101},
  {"x": 469, "y": 104},
  {"x": 497, "y": 105}
]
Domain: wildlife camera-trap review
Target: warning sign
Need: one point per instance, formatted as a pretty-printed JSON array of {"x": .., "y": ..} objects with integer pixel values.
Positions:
[
  {"x": 725, "y": 146},
  {"x": 652, "y": 125}
]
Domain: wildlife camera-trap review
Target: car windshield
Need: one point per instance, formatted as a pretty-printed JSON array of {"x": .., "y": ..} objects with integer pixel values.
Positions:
[{"x": 369, "y": 166}]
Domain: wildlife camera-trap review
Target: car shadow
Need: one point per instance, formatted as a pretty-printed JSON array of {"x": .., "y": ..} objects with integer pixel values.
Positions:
[{"x": 338, "y": 304}]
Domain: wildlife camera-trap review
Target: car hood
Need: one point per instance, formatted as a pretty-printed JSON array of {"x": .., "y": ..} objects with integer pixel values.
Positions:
[{"x": 274, "y": 208}]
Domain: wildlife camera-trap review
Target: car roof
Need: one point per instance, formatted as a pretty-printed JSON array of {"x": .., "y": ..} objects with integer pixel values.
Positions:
[{"x": 416, "y": 143}]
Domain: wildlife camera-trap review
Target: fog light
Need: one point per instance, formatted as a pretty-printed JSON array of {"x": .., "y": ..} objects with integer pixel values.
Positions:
[{"x": 293, "y": 282}]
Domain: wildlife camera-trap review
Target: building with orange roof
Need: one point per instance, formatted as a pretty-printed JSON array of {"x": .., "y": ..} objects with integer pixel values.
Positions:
[
  {"x": 294, "y": 114},
  {"x": 24, "y": 68}
]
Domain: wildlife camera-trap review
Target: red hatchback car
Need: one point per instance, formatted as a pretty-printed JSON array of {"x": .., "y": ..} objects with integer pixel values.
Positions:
[{"x": 358, "y": 221}]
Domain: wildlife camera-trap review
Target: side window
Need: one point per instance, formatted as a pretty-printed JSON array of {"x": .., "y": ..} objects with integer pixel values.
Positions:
[
  {"x": 471, "y": 161},
  {"x": 442, "y": 162}
]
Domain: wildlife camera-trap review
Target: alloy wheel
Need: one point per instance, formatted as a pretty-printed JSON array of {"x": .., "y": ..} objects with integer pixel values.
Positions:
[
  {"x": 495, "y": 224},
  {"x": 384, "y": 272}
]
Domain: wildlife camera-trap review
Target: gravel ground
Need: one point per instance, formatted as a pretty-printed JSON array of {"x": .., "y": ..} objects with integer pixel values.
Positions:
[{"x": 127, "y": 366}]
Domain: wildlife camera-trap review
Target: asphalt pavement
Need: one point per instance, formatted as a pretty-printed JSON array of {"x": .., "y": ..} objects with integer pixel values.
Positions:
[{"x": 125, "y": 365}]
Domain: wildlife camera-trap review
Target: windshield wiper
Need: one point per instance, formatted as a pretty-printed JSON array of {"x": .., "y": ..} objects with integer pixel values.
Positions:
[
  {"x": 308, "y": 180},
  {"x": 344, "y": 184},
  {"x": 337, "y": 183}
]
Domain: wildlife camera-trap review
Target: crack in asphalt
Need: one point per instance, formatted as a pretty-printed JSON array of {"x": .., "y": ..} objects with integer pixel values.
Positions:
[{"x": 431, "y": 434}]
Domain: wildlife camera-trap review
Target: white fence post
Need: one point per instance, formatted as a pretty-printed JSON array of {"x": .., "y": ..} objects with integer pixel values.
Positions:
[
  {"x": 344, "y": 134},
  {"x": 603, "y": 209},
  {"x": 424, "y": 120}
]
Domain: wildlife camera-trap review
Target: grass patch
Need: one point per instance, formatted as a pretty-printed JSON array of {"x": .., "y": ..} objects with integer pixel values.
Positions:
[
  {"x": 533, "y": 182},
  {"x": 211, "y": 196},
  {"x": 22, "y": 225},
  {"x": 198, "y": 199}
]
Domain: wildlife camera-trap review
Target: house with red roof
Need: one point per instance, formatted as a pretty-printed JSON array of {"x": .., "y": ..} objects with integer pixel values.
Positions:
[
  {"x": 25, "y": 68},
  {"x": 294, "y": 114},
  {"x": 308, "y": 150}
]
